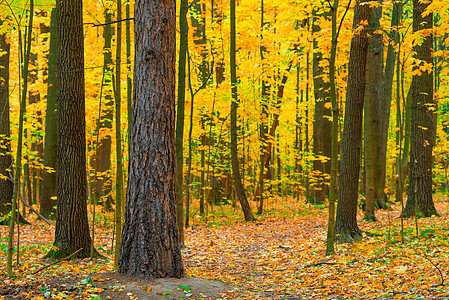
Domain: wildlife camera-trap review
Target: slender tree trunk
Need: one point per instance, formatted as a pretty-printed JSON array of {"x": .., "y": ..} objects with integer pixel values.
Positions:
[
  {"x": 268, "y": 149},
  {"x": 346, "y": 228},
  {"x": 330, "y": 239},
  {"x": 263, "y": 118},
  {"x": 48, "y": 195},
  {"x": 129, "y": 84},
  {"x": 150, "y": 246},
  {"x": 6, "y": 160},
  {"x": 18, "y": 167},
  {"x": 183, "y": 28},
  {"x": 374, "y": 75},
  {"x": 72, "y": 228},
  {"x": 118, "y": 137},
  {"x": 102, "y": 187},
  {"x": 385, "y": 101},
  {"x": 422, "y": 120},
  {"x": 322, "y": 132},
  {"x": 240, "y": 191}
]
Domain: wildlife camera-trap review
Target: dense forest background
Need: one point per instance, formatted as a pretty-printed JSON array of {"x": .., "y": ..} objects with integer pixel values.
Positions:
[{"x": 337, "y": 109}]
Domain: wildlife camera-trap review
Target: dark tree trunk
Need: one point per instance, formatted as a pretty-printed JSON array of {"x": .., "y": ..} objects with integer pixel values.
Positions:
[
  {"x": 346, "y": 228},
  {"x": 179, "y": 143},
  {"x": 150, "y": 246},
  {"x": 6, "y": 185},
  {"x": 322, "y": 125},
  {"x": 48, "y": 194},
  {"x": 422, "y": 123},
  {"x": 386, "y": 96},
  {"x": 239, "y": 190},
  {"x": 72, "y": 229},
  {"x": 374, "y": 73}
]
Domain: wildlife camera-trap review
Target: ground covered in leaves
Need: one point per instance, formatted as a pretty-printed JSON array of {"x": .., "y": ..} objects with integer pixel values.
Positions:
[{"x": 279, "y": 256}]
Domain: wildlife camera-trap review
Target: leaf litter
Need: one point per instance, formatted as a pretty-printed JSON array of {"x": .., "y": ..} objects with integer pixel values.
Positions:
[{"x": 279, "y": 256}]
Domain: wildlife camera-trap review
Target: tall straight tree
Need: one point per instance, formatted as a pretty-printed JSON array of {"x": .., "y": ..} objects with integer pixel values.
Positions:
[
  {"x": 385, "y": 100},
  {"x": 239, "y": 190},
  {"x": 322, "y": 126},
  {"x": 150, "y": 246},
  {"x": 6, "y": 184},
  {"x": 118, "y": 136},
  {"x": 179, "y": 144},
  {"x": 374, "y": 74},
  {"x": 346, "y": 228},
  {"x": 102, "y": 185},
  {"x": 422, "y": 114},
  {"x": 48, "y": 194},
  {"x": 72, "y": 228}
]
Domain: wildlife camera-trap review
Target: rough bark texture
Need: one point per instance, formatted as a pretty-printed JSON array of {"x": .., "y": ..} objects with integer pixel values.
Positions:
[
  {"x": 239, "y": 189},
  {"x": 422, "y": 125},
  {"x": 150, "y": 246},
  {"x": 374, "y": 76},
  {"x": 322, "y": 125},
  {"x": 6, "y": 184},
  {"x": 72, "y": 229},
  {"x": 346, "y": 228},
  {"x": 47, "y": 204}
]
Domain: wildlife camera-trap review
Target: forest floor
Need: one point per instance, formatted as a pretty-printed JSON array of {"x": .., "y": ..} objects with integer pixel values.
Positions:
[{"x": 279, "y": 256}]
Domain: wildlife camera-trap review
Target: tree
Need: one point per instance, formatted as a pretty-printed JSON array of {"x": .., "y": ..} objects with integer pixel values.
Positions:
[
  {"x": 322, "y": 126},
  {"x": 346, "y": 228},
  {"x": 150, "y": 246},
  {"x": 239, "y": 190},
  {"x": 72, "y": 228},
  {"x": 183, "y": 32},
  {"x": 374, "y": 74},
  {"x": 419, "y": 200},
  {"x": 6, "y": 184},
  {"x": 47, "y": 201},
  {"x": 102, "y": 186}
]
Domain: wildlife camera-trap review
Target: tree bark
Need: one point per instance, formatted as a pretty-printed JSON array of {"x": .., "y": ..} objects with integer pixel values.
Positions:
[
  {"x": 179, "y": 143},
  {"x": 150, "y": 246},
  {"x": 422, "y": 123},
  {"x": 386, "y": 96},
  {"x": 72, "y": 228},
  {"x": 346, "y": 228},
  {"x": 240, "y": 191},
  {"x": 374, "y": 74},
  {"x": 48, "y": 195},
  {"x": 6, "y": 160}
]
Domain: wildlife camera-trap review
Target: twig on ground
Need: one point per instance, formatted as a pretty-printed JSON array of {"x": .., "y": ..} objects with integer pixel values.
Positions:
[{"x": 54, "y": 263}]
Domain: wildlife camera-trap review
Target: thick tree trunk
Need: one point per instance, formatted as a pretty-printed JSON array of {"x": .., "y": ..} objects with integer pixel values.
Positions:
[
  {"x": 150, "y": 246},
  {"x": 239, "y": 190},
  {"x": 6, "y": 161},
  {"x": 72, "y": 229},
  {"x": 346, "y": 228},
  {"x": 322, "y": 125},
  {"x": 422, "y": 120}
]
